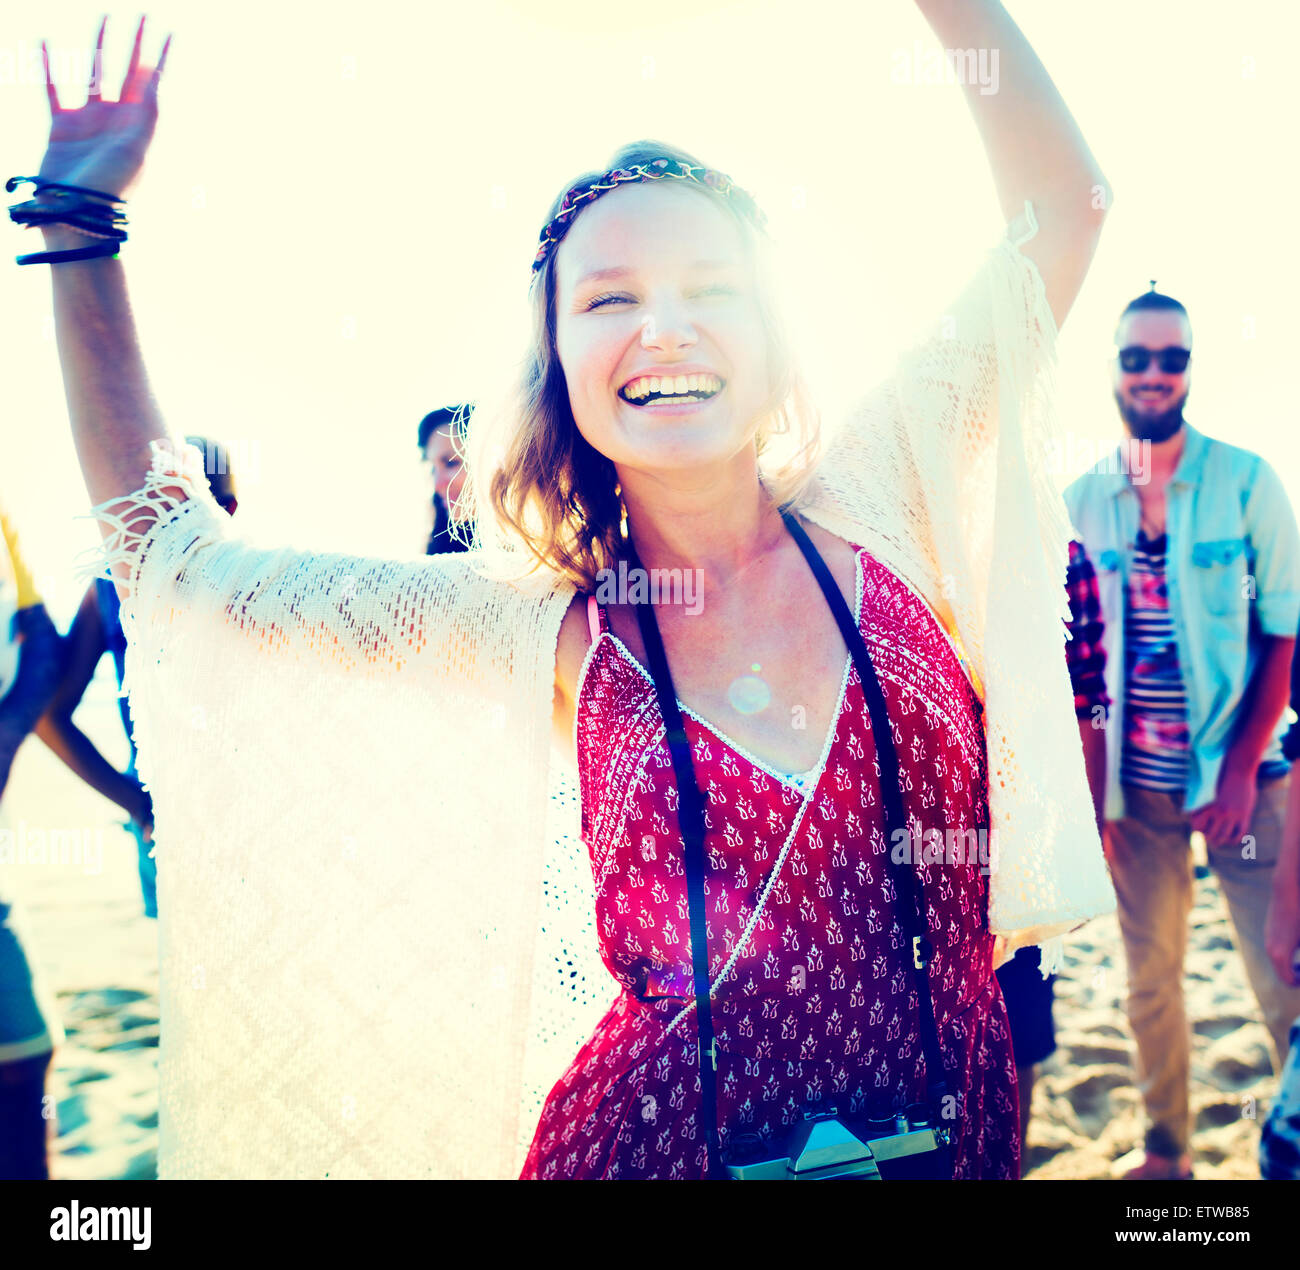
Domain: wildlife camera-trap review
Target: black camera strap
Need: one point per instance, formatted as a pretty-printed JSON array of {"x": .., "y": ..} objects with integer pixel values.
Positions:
[
  {"x": 691, "y": 820},
  {"x": 690, "y": 816},
  {"x": 911, "y": 901}
]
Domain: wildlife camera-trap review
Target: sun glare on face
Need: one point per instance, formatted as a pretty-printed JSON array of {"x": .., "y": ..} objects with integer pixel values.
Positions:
[{"x": 659, "y": 329}]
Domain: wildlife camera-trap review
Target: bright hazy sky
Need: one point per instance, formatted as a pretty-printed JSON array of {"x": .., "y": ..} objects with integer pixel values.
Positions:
[{"x": 335, "y": 226}]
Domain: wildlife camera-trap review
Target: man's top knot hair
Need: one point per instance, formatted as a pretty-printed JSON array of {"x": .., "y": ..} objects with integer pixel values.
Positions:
[{"x": 1153, "y": 299}]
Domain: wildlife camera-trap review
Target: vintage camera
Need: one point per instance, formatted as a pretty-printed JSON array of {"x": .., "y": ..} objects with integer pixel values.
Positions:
[{"x": 825, "y": 1147}]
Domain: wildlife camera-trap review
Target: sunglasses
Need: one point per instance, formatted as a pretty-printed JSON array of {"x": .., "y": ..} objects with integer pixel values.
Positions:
[{"x": 1135, "y": 359}]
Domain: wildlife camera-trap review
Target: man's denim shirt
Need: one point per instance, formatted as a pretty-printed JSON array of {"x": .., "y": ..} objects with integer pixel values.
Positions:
[{"x": 1233, "y": 572}]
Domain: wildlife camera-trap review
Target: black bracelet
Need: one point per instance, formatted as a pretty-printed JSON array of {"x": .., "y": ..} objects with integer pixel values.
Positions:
[
  {"x": 75, "y": 218},
  {"x": 74, "y": 253},
  {"x": 88, "y": 226},
  {"x": 36, "y": 209},
  {"x": 15, "y": 181}
]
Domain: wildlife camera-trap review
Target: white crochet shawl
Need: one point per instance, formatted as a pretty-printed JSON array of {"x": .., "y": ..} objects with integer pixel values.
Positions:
[{"x": 376, "y": 932}]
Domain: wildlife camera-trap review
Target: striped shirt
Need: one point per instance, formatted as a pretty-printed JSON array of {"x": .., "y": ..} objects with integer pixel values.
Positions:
[{"x": 1156, "y": 739}]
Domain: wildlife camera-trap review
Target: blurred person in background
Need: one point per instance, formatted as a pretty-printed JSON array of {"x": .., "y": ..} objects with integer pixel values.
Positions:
[
  {"x": 442, "y": 443},
  {"x": 96, "y": 630},
  {"x": 30, "y": 659},
  {"x": 1027, "y": 993},
  {"x": 1198, "y": 566}
]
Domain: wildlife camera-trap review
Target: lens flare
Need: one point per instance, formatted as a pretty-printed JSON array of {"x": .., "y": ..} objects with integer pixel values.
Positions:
[{"x": 749, "y": 694}]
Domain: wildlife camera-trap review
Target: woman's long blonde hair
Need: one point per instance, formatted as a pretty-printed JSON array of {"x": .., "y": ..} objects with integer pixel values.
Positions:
[{"x": 534, "y": 480}]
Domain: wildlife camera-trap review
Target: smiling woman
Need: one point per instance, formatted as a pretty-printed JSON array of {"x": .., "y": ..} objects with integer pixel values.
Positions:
[
  {"x": 877, "y": 644},
  {"x": 642, "y": 260}
]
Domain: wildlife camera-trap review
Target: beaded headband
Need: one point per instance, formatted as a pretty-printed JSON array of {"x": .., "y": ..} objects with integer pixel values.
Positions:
[{"x": 580, "y": 195}]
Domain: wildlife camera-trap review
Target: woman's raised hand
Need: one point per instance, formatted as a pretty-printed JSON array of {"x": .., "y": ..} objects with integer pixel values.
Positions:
[{"x": 102, "y": 144}]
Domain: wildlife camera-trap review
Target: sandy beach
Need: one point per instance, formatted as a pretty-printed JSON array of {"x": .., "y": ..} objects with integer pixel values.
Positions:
[
  {"x": 86, "y": 935},
  {"x": 97, "y": 954},
  {"x": 1086, "y": 1112}
]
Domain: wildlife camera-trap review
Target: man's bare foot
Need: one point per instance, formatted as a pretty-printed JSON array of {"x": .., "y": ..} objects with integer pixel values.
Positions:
[{"x": 1146, "y": 1166}]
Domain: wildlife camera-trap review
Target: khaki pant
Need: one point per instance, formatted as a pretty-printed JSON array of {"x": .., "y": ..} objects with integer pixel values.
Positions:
[{"x": 1151, "y": 864}]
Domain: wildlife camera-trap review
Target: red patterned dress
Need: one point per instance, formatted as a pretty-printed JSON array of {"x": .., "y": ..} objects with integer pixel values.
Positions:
[{"x": 819, "y": 1008}]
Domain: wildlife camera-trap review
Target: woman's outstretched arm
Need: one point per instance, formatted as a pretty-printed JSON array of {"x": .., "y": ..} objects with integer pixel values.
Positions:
[
  {"x": 1035, "y": 149},
  {"x": 163, "y": 530},
  {"x": 101, "y": 146}
]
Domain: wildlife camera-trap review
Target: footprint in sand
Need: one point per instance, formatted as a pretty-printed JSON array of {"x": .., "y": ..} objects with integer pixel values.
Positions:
[
  {"x": 144, "y": 1040},
  {"x": 109, "y": 997},
  {"x": 1036, "y": 1155},
  {"x": 1219, "y": 1026},
  {"x": 1235, "y": 1063},
  {"x": 72, "y": 1114},
  {"x": 1108, "y": 1029},
  {"x": 1097, "y": 1051},
  {"x": 128, "y": 1022},
  {"x": 1218, "y": 1114},
  {"x": 1089, "y": 1092},
  {"x": 1213, "y": 942},
  {"x": 84, "y": 1075},
  {"x": 141, "y": 1167}
]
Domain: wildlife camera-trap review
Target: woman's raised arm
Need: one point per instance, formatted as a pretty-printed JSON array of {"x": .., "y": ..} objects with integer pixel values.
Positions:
[
  {"x": 945, "y": 473},
  {"x": 965, "y": 426},
  {"x": 1035, "y": 149},
  {"x": 171, "y": 549},
  {"x": 101, "y": 146}
]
